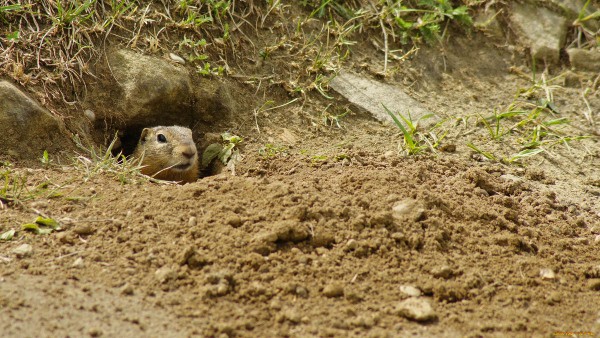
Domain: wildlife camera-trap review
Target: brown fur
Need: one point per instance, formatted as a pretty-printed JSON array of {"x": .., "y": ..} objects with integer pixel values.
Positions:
[{"x": 160, "y": 159}]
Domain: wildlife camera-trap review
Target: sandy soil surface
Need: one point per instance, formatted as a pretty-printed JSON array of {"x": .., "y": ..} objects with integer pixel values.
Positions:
[{"x": 328, "y": 232}]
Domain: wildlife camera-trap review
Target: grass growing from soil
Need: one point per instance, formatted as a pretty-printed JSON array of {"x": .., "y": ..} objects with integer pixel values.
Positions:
[
  {"x": 51, "y": 44},
  {"x": 94, "y": 161},
  {"x": 532, "y": 122}
]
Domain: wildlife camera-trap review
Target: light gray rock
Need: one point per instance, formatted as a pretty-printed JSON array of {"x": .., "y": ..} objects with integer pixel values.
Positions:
[
  {"x": 27, "y": 128},
  {"x": 410, "y": 290},
  {"x": 583, "y": 59},
  {"x": 417, "y": 309},
  {"x": 78, "y": 263},
  {"x": 408, "y": 208},
  {"x": 547, "y": 274},
  {"x": 543, "y": 30},
  {"x": 371, "y": 95},
  {"x": 165, "y": 274},
  {"x": 23, "y": 250}
]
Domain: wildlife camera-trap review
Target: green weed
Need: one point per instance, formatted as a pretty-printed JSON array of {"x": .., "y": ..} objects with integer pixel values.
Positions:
[
  {"x": 532, "y": 120},
  {"x": 415, "y": 141},
  {"x": 270, "y": 151}
]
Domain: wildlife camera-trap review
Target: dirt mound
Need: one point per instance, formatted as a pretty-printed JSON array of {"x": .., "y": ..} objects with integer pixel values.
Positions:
[{"x": 307, "y": 251}]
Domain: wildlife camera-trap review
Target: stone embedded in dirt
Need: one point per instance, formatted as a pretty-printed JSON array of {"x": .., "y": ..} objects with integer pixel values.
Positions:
[
  {"x": 554, "y": 298},
  {"x": 594, "y": 284},
  {"x": 410, "y": 290},
  {"x": 351, "y": 245},
  {"x": 165, "y": 274},
  {"x": 90, "y": 115},
  {"x": 95, "y": 332},
  {"x": 409, "y": 207},
  {"x": 192, "y": 222},
  {"x": 78, "y": 263},
  {"x": 333, "y": 290},
  {"x": 443, "y": 271},
  {"x": 127, "y": 290},
  {"x": 301, "y": 291},
  {"x": 417, "y": 309},
  {"x": 27, "y": 128},
  {"x": 547, "y": 274},
  {"x": 583, "y": 59},
  {"x": 542, "y": 29},
  {"x": 84, "y": 229},
  {"x": 23, "y": 250},
  {"x": 235, "y": 221},
  {"x": 162, "y": 96},
  {"x": 177, "y": 58},
  {"x": 371, "y": 95}
]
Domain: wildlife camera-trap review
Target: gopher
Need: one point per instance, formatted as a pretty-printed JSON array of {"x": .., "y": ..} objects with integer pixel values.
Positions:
[{"x": 168, "y": 153}]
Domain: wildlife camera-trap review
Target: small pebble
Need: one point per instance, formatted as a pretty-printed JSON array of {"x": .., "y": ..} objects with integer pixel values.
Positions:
[
  {"x": 302, "y": 292},
  {"x": 127, "y": 290},
  {"x": 594, "y": 284},
  {"x": 177, "y": 58},
  {"x": 554, "y": 298},
  {"x": 443, "y": 271},
  {"x": 23, "y": 250},
  {"x": 404, "y": 207},
  {"x": 84, "y": 229},
  {"x": 90, "y": 115},
  {"x": 192, "y": 222},
  {"x": 78, "y": 263},
  {"x": 165, "y": 274},
  {"x": 547, "y": 274},
  {"x": 333, "y": 290},
  {"x": 410, "y": 290},
  {"x": 352, "y": 244},
  {"x": 95, "y": 332},
  {"x": 235, "y": 221}
]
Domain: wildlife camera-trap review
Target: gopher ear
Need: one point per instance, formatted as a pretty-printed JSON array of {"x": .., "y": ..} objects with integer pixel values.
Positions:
[{"x": 144, "y": 135}]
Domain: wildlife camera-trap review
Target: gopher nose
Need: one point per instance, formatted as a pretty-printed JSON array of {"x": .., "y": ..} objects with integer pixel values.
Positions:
[{"x": 189, "y": 153}]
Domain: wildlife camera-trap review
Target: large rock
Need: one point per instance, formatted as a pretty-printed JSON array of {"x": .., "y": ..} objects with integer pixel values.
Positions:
[
  {"x": 543, "y": 30},
  {"x": 27, "y": 128},
  {"x": 583, "y": 59},
  {"x": 149, "y": 91},
  {"x": 372, "y": 95},
  {"x": 135, "y": 91}
]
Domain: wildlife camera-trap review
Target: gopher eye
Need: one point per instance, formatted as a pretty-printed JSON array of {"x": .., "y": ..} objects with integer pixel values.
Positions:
[{"x": 161, "y": 138}]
